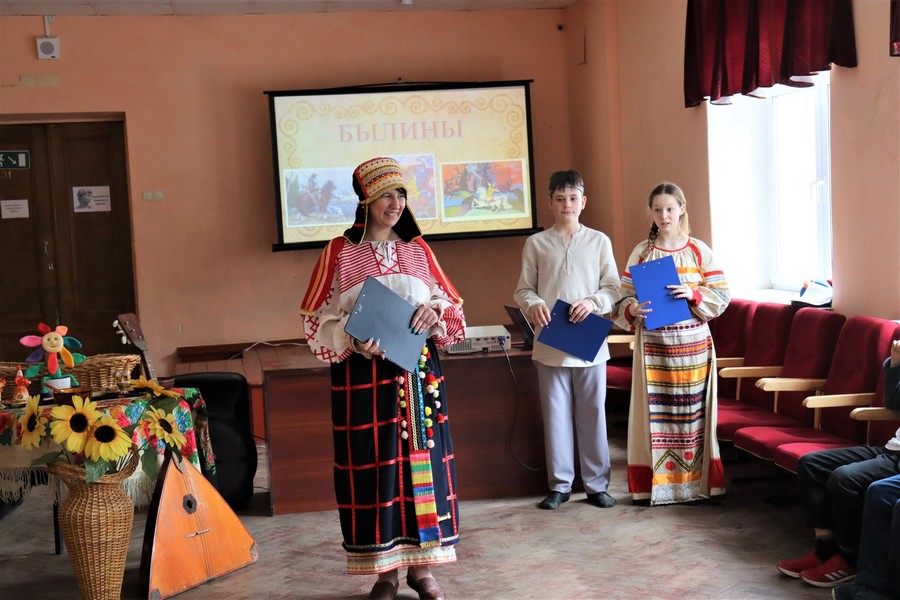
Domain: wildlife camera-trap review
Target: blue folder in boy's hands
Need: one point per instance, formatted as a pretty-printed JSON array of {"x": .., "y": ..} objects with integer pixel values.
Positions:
[
  {"x": 380, "y": 314},
  {"x": 582, "y": 340},
  {"x": 650, "y": 280}
]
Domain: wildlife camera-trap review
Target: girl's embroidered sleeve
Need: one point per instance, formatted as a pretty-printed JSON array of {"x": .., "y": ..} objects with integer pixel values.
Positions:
[{"x": 714, "y": 292}]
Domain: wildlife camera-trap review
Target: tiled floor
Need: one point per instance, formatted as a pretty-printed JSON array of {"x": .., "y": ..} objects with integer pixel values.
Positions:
[{"x": 509, "y": 549}]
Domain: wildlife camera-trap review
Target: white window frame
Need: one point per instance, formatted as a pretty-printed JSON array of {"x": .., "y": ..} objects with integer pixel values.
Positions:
[{"x": 743, "y": 190}]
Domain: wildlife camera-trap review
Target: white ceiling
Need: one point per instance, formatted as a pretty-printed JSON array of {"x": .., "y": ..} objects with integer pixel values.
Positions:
[{"x": 252, "y": 7}]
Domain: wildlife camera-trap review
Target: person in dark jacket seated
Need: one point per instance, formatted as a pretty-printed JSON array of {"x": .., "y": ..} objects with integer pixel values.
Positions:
[
  {"x": 833, "y": 486},
  {"x": 878, "y": 577}
]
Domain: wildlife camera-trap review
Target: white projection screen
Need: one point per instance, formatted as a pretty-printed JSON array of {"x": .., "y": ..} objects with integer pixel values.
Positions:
[{"x": 465, "y": 149}]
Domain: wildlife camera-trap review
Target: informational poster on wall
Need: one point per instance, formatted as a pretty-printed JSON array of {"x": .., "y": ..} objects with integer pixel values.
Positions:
[
  {"x": 13, "y": 209},
  {"x": 91, "y": 198}
]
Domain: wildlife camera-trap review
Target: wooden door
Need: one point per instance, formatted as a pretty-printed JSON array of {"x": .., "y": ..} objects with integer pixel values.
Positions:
[{"x": 65, "y": 234}]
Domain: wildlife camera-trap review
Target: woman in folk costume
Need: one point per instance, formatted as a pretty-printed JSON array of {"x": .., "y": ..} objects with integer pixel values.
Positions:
[
  {"x": 394, "y": 471},
  {"x": 673, "y": 453}
]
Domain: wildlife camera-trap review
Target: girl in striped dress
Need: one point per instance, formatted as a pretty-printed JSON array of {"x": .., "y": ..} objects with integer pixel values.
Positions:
[
  {"x": 394, "y": 468},
  {"x": 673, "y": 453}
]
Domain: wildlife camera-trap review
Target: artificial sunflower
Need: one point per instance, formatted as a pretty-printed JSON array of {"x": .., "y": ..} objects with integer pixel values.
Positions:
[
  {"x": 32, "y": 424},
  {"x": 72, "y": 424},
  {"x": 107, "y": 441},
  {"x": 153, "y": 386},
  {"x": 163, "y": 426}
]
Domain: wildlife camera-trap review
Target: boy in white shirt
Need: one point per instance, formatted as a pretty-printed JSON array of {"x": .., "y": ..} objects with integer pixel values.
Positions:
[{"x": 573, "y": 263}]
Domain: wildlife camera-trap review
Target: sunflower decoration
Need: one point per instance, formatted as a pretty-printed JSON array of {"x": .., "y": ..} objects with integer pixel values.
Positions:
[
  {"x": 152, "y": 386},
  {"x": 73, "y": 424},
  {"x": 163, "y": 427},
  {"x": 103, "y": 441},
  {"x": 107, "y": 441},
  {"x": 51, "y": 344},
  {"x": 32, "y": 424}
]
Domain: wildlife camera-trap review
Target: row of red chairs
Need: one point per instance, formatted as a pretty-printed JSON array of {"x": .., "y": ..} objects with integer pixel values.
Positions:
[{"x": 797, "y": 383}]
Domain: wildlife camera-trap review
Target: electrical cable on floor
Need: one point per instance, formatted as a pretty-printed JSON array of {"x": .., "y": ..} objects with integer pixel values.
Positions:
[
  {"x": 517, "y": 402},
  {"x": 270, "y": 344}
]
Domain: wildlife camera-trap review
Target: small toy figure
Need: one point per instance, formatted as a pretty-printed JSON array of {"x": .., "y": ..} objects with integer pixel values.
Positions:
[
  {"x": 123, "y": 380},
  {"x": 20, "y": 394},
  {"x": 52, "y": 345}
]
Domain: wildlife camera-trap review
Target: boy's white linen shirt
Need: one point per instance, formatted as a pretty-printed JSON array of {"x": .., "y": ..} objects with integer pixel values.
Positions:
[{"x": 583, "y": 268}]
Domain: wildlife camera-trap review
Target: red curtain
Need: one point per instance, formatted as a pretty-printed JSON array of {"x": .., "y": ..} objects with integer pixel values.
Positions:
[
  {"x": 735, "y": 46},
  {"x": 895, "y": 27}
]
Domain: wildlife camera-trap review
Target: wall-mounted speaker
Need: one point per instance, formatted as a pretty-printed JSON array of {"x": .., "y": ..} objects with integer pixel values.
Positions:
[{"x": 47, "y": 47}]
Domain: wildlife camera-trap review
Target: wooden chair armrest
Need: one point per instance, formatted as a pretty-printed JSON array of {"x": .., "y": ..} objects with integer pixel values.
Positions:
[
  {"x": 750, "y": 372},
  {"x": 875, "y": 413},
  {"x": 621, "y": 338},
  {"x": 726, "y": 362},
  {"x": 790, "y": 384},
  {"x": 833, "y": 400}
]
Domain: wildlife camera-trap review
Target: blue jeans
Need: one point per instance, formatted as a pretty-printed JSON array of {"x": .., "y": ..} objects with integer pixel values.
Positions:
[{"x": 879, "y": 548}]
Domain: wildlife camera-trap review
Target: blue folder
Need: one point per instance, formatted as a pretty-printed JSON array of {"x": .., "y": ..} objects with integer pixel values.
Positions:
[
  {"x": 582, "y": 340},
  {"x": 650, "y": 280},
  {"x": 380, "y": 314}
]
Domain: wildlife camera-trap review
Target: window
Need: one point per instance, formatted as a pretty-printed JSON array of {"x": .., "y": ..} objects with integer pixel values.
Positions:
[{"x": 770, "y": 186}]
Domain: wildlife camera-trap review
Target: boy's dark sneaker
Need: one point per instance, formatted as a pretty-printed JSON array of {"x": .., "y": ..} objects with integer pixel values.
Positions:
[
  {"x": 601, "y": 499},
  {"x": 553, "y": 500}
]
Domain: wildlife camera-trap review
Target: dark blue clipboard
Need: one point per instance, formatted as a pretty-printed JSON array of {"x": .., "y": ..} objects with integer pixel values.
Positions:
[
  {"x": 650, "y": 280},
  {"x": 380, "y": 314},
  {"x": 582, "y": 340}
]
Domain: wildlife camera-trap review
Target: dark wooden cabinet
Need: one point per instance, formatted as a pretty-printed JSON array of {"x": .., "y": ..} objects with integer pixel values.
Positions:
[{"x": 495, "y": 421}]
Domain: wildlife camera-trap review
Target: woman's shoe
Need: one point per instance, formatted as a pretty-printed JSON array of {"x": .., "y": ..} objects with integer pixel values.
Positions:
[
  {"x": 427, "y": 588},
  {"x": 384, "y": 590}
]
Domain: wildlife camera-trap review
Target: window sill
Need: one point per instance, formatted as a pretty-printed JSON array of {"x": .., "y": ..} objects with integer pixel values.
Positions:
[{"x": 766, "y": 295}]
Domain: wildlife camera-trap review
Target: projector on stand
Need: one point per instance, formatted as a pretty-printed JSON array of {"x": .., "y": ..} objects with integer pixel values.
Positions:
[{"x": 489, "y": 338}]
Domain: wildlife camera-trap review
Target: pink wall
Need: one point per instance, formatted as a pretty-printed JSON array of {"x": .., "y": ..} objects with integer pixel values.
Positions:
[
  {"x": 197, "y": 126},
  {"x": 629, "y": 94},
  {"x": 865, "y": 163},
  {"x": 198, "y": 130}
]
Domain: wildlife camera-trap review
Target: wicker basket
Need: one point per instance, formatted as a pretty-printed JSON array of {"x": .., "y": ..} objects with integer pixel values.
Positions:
[
  {"x": 96, "y": 520},
  {"x": 95, "y": 373},
  {"x": 99, "y": 371}
]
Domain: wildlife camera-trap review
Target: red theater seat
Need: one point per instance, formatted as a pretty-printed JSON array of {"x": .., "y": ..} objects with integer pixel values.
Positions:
[
  {"x": 852, "y": 379},
  {"x": 730, "y": 332},
  {"x": 881, "y": 425},
  {"x": 618, "y": 368},
  {"x": 806, "y": 355}
]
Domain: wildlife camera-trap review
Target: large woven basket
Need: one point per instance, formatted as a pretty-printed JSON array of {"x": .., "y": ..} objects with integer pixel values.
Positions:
[
  {"x": 96, "y": 372},
  {"x": 96, "y": 520}
]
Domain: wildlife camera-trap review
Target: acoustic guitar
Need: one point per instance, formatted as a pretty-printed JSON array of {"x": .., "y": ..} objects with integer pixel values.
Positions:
[{"x": 129, "y": 327}]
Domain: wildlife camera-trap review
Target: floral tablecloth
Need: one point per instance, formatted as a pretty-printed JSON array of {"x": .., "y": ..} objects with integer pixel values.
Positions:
[{"x": 17, "y": 475}]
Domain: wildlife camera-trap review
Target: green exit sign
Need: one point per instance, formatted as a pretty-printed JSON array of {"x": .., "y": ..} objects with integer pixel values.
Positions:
[{"x": 15, "y": 159}]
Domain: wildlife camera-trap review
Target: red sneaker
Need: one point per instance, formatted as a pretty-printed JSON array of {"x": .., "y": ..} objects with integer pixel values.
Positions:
[
  {"x": 833, "y": 571},
  {"x": 792, "y": 568}
]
